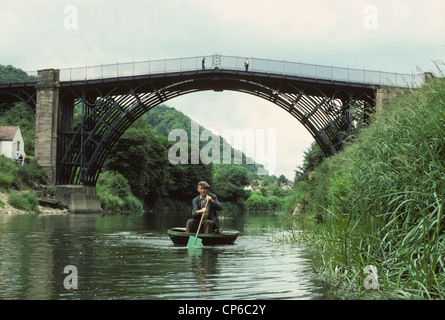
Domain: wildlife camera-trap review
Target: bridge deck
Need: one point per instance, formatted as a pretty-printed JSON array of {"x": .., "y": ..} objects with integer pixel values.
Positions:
[{"x": 276, "y": 68}]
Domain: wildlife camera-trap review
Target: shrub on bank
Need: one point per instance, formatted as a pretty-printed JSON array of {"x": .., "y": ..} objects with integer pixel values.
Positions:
[
  {"x": 7, "y": 169},
  {"x": 24, "y": 201},
  {"x": 383, "y": 199},
  {"x": 115, "y": 194},
  {"x": 15, "y": 176},
  {"x": 258, "y": 202}
]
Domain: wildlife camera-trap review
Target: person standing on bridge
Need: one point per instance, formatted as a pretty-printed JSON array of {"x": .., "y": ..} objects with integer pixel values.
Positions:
[
  {"x": 246, "y": 64},
  {"x": 210, "y": 222},
  {"x": 203, "y": 63}
]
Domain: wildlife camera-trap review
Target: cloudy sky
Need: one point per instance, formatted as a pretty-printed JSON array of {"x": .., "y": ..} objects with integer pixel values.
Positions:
[{"x": 396, "y": 36}]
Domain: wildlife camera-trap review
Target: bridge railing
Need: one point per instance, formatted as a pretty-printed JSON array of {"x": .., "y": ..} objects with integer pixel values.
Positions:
[{"x": 236, "y": 63}]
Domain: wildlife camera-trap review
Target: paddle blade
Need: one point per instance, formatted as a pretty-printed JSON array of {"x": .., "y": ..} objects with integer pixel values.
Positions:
[{"x": 194, "y": 242}]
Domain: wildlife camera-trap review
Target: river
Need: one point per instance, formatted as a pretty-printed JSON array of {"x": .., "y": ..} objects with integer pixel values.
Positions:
[{"x": 131, "y": 257}]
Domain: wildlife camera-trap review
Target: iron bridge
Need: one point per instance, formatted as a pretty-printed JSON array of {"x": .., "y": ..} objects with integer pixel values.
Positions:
[{"x": 114, "y": 96}]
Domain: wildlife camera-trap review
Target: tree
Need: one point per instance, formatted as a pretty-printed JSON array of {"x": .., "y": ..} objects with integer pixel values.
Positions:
[
  {"x": 9, "y": 74},
  {"x": 257, "y": 202},
  {"x": 139, "y": 157},
  {"x": 313, "y": 157},
  {"x": 229, "y": 181},
  {"x": 281, "y": 179}
]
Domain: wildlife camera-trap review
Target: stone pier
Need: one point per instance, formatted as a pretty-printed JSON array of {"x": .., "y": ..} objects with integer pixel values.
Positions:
[
  {"x": 47, "y": 107},
  {"x": 50, "y": 110},
  {"x": 78, "y": 199}
]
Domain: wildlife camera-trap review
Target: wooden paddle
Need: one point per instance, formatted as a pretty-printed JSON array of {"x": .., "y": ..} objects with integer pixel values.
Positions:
[{"x": 195, "y": 242}]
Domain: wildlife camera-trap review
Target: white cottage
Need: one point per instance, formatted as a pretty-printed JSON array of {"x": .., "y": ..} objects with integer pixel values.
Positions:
[{"x": 11, "y": 143}]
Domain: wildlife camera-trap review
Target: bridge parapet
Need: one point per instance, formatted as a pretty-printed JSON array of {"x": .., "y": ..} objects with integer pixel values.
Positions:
[{"x": 268, "y": 66}]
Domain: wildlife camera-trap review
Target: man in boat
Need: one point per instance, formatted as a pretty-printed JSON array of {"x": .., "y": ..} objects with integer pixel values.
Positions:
[{"x": 210, "y": 223}]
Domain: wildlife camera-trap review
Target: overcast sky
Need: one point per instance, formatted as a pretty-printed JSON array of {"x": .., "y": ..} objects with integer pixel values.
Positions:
[{"x": 392, "y": 35}]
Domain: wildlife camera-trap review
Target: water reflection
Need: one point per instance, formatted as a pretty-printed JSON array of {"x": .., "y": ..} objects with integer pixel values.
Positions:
[{"x": 131, "y": 257}]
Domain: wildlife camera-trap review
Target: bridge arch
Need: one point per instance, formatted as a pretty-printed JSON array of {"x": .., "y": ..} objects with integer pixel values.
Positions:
[
  {"x": 23, "y": 93},
  {"x": 110, "y": 107}
]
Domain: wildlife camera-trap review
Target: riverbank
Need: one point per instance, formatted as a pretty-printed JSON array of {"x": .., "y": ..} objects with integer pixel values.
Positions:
[
  {"x": 381, "y": 202},
  {"x": 10, "y": 210}
]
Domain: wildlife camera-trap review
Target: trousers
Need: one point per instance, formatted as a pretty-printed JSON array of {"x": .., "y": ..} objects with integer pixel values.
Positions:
[{"x": 207, "y": 226}]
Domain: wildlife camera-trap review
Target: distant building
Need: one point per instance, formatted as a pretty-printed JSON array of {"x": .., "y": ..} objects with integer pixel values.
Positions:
[
  {"x": 288, "y": 186},
  {"x": 11, "y": 143}
]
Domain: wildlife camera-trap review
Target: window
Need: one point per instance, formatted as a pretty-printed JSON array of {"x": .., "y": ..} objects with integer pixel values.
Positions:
[{"x": 18, "y": 145}]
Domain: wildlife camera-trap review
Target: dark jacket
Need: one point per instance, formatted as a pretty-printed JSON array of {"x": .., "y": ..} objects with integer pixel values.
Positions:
[{"x": 213, "y": 207}]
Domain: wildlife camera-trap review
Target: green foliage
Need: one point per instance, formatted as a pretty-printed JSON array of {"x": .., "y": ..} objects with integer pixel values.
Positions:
[
  {"x": 229, "y": 181},
  {"x": 19, "y": 115},
  {"x": 7, "y": 170},
  {"x": 257, "y": 202},
  {"x": 163, "y": 119},
  {"x": 30, "y": 172},
  {"x": 24, "y": 201},
  {"x": 142, "y": 158},
  {"x": 312, "y": 159},
  {"x": 115, "y": 193},
  {"x": 139, "y": 156},
  {"x": 13, "y": 175},
  {"x": 9, "y": 74},
  {"x": 382, "y": 199},
  {"x": 274, "y": 202}
]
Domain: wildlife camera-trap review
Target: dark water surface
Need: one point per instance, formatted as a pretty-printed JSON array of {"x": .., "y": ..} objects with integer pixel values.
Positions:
[{"x": 131, "y": 257}]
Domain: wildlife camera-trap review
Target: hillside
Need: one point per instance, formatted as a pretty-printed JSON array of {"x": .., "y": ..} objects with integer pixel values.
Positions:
[
  {"x": 9, "y": 74},
  {"x": 163, "y": 119}
]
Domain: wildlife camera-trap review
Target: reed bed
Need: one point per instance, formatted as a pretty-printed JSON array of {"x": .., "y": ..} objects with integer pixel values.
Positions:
[{"x": 384, "y": 201}]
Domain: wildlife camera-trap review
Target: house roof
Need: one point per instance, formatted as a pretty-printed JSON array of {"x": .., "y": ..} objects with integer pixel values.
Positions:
[{"x": 8, "y": 132}]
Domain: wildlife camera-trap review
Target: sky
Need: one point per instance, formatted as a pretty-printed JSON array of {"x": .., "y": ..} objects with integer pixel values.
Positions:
[{"x": 403, "y": 36}]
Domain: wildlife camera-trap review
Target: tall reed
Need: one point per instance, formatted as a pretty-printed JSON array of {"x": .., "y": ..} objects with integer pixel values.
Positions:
[{"x": 385, "y": 198}]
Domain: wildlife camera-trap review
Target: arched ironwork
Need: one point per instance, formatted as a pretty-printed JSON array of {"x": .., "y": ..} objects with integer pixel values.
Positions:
[
  {"x": 26, "y": 93},
  {"x": 110, "y": 108}
]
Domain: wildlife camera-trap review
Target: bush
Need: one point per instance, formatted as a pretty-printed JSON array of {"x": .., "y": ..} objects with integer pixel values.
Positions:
[
  {"x": 274, "y": 202},
  {"x": 30, "y": 172},
  {"x": 257, "y": 202},
  {"x": 133, "y": 204},
  {"x": 7, "y": 170},
  {"x": 12, "y": 175},
  {"x": 114, "y": 183},
  {"x": 115, "y": 193},
  {"x": 24, "y": 201},
  {"x": 110, "y": 202}
]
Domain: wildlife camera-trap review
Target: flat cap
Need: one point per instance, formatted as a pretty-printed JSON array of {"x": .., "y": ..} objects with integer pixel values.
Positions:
[{"x": 203, "y": 184}]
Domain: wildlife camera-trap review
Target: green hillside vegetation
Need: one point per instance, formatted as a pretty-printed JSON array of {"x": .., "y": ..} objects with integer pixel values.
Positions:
[
  {"x": 9, "y": 74},
  {"x": 381, "y": 201}
]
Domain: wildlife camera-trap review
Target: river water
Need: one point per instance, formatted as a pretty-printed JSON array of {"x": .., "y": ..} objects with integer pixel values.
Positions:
[{"x": 131, "y": 257}]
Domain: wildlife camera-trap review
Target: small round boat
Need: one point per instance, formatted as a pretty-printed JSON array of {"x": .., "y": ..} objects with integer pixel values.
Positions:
[{"x": 179, "y": 236}]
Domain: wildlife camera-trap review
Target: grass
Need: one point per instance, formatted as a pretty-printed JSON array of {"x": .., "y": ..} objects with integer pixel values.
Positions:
[
  {"x": 383, "y": 201},
  {"x": 24, "y": 201},
  {"x": 19, "y": 178}
]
